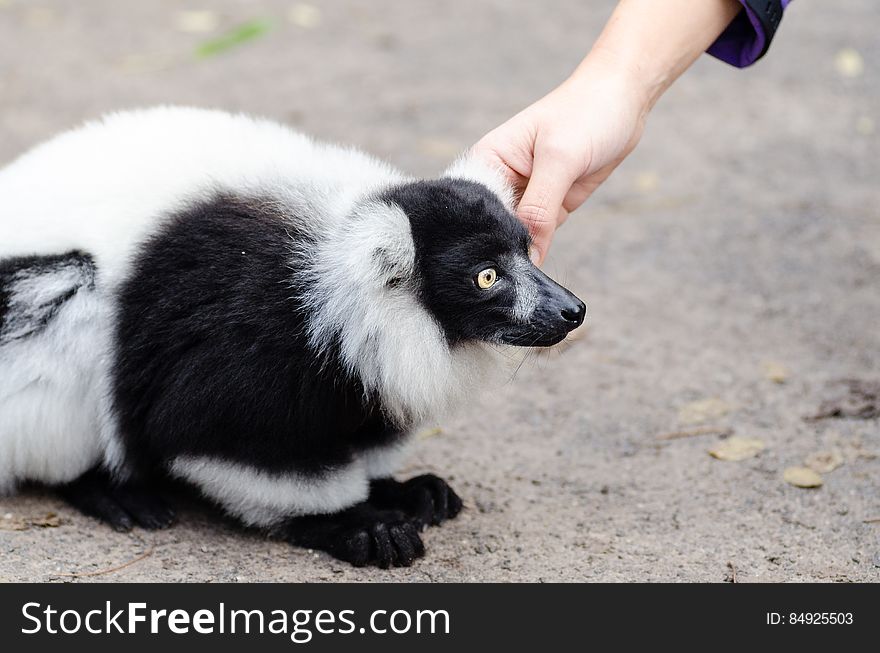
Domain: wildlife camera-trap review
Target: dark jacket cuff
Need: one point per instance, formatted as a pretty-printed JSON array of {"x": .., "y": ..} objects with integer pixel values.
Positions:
[{"x": 748, "y": 37}]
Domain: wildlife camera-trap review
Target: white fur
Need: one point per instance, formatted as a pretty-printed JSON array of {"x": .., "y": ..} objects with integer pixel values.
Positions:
[
  {"x": 104, "y": 188},
  {"x": 387, "y": 338},
  {"x": 381, "y": 462},
  {"x": 260, "y": 498},
  {"x": 525, "y": 287},
  {"x": 50, "y": 396},
  {"x": 32, "y": 296}
]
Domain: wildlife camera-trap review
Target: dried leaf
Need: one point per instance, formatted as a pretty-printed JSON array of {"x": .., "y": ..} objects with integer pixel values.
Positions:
[
  {"x": 304, "y": 15},
  {"x": 737, "y": 448},
  {"x": 10, "y": 522},
  {"x": 429, "y": 433},
  {"x": 39, "y": 17},
  {"x": 849, "y": 63},
  {"x": 242, "y": 34},
  {"x": 802, "y": 477},
  {"x": 647, "y": 182},
  {"x": 823, "y": 462},
  {"x": 703, "y": 411},
  {"x": 49, "y": 520},
  {"x": 865, "y": 126},
  {"x": 775, "y": 372},
  {"x": 854, "y": 398},
  {"x": 691, "y": 433},
  {"x": 196, "y": 22},
  {"x": 440, "y": 148}
]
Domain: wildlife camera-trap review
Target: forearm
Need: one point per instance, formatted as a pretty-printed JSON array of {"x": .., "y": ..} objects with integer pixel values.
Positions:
[{"x": 654, "y": 41}]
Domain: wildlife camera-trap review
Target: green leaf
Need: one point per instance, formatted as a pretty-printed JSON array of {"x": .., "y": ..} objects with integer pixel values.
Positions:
[{"x": 240, "y": 35}]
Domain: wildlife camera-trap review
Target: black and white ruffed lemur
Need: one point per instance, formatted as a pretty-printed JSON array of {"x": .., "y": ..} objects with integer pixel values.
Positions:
[{"x": 220, "y": 300}]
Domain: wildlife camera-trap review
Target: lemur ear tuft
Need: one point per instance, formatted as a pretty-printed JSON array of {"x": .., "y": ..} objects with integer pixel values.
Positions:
[
  {"x": 393, "y": 252},
  {"x": 472, "y": 168},
  {"x": 392, "y": 268}
]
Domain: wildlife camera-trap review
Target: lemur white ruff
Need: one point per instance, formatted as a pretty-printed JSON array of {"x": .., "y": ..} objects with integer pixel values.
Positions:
[{"x": 218, "y": 299}]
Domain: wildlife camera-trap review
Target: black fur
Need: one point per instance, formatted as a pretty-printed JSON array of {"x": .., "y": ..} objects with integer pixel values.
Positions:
[
  {"x": 212, "y": 356},
  {"x": 426, "y": 500},
  {"x": 35, "y": 318},
  {"x": 363, "y": 534},
  {"x": 460, "y": 228},
  {"x": 383, "y": 530},
  {"x": 121, "y": 505}
]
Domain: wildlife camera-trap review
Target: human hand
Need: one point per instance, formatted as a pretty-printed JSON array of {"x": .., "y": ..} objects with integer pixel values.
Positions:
[{"x": 560, "y": 149}]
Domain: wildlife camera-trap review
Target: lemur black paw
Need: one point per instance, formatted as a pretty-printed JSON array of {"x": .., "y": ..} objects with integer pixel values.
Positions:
[
  {"x": 122, "y": 506},
  {"x": 362, "y": 535},
  {"x": 426, "y": 500}
]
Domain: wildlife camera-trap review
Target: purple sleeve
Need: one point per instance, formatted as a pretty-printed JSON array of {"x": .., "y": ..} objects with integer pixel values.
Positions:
[{"x": 748, "y": 37}]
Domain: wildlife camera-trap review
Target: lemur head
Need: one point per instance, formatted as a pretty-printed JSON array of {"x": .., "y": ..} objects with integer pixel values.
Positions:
[{"x": 473, "y": 269}]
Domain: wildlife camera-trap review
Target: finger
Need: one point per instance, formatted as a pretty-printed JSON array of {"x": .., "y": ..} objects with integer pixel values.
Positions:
[
  {"x": 562, "y": 217},
  {"x": 578, "y": 194},
  {"x": 497, "y": 161},
  {"x": 541, "y": 245},
  {"x": 541, "y": 202}
]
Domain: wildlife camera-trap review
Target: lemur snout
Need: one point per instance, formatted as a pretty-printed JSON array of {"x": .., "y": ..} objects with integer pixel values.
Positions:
[{"x": 575, "y": 314}]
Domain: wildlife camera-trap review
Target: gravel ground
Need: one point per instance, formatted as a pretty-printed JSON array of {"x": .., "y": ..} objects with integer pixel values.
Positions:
[{"x": 745, "y": 231}]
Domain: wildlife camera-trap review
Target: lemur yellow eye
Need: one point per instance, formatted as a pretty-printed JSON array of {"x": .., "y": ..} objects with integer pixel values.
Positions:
[{"x": 487, "y": 278}]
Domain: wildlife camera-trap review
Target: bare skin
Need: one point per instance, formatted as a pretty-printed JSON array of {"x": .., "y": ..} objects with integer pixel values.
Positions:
[{"x": 560, "y": 149}]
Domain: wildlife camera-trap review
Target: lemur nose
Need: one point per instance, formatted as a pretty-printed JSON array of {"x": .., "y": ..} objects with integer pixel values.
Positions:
[{"x": 575, "y": 314}]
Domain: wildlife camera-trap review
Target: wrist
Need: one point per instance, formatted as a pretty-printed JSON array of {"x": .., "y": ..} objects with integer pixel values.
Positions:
[
  {"x": 652, "y": 43},
  {"x": 629, "y": 84}
]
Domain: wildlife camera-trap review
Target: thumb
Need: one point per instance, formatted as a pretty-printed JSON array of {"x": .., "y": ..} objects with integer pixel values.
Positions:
[{"x": 541, "y": 202}]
